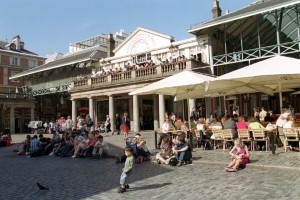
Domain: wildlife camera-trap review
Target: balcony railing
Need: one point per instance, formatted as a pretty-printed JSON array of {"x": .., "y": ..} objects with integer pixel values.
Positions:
[{"x": 138, "y": 75}]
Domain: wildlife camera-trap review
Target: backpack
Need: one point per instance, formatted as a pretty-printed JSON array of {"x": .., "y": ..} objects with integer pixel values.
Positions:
[
  {"x": 173, "y": 162},
  {"x": 90, "y": 123}
]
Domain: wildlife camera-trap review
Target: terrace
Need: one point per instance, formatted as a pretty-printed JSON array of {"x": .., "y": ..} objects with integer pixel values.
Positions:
[{"x": 136, "y": 76}]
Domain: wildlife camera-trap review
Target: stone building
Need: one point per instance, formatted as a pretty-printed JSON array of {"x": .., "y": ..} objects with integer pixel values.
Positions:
[{"x": 16, "y": 106}]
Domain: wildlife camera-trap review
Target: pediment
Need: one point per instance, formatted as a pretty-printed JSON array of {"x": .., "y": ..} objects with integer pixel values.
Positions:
[{"x": 142, "y": 40}]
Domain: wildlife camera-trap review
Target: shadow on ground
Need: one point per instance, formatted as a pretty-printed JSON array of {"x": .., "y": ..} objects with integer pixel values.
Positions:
[{"x": 67, "y": 178}]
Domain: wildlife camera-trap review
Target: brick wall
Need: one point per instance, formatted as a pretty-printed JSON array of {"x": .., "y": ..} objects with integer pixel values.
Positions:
[
  {"x": 5, "y": 60},
  {"x": 24, "y": 63}
]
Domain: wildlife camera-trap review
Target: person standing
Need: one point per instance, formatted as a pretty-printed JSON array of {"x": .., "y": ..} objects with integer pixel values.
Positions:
[
  {"x": 107, "y": 124},
  {"x": 89, "y": 123},
  {"x": 262, "y": 114},
  {"x": 282, "y": 119},
  {"x": 69, "y": 125},
  {"x": 118, "y": 122},
  {"x": 127, "y": 170},
  {"x": 125, "y": 125}
]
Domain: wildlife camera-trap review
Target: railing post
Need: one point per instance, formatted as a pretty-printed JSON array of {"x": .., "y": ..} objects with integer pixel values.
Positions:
[
  {"x": 133, "y": 73},
  {"x": 109, "y": 78},
  {"x": 89, "y": 81},
  {"x": 190, "y": 65},
  {"x": 159, "y": 70}
]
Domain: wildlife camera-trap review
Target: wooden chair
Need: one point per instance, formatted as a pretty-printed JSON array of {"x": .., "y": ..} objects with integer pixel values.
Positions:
[
  {"x": 260, "y": 135},
  {"x": 245, "y": 136},
  {"x": 216, "y": 137},
  {"x": 196, "y": 137},
  {"x": 227, "y": 137},
  {"x": 290, "y": 134}
]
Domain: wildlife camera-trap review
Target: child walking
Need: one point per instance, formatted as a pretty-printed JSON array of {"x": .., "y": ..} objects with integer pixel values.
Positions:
[{"x": 127, "y": 170}]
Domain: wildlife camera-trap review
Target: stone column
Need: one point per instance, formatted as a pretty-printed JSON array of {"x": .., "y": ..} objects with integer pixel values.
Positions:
[
  {"x": 74, "y": 111},
  {"x": 155, "y": 112},
  {"x": 12, "y": 120},
  {"x": 136, "y": 117},
  {"x": 91, "y": 111},
  {"x": 111, "y": 110},
  {"x": 162, "y": 110},
  {"x": 131, "y": 113},
  {"x": 32, "y": 113}
]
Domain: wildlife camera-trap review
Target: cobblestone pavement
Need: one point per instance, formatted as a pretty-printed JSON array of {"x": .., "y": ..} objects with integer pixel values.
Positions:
[{"x": 267, "y": 177}]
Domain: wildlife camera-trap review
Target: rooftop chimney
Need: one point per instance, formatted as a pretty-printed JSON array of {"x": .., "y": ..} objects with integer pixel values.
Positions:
[
  {"x": 17, "y": 41},
  {"x": 110, "y": 45},
  {"x": 216, "y": 9}
]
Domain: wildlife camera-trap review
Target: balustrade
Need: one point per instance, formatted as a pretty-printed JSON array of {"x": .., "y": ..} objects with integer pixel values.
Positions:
[{"x": 162, "y": 70}]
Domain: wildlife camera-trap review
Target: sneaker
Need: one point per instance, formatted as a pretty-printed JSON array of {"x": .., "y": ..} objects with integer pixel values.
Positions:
[
  {"x": 117, "y": 158},
  {"x": 73, "y": 156},
  {"x": 51, "y": 154},
  {"x": 179, "y": 164},
  {"x": 121, "y": 190}
]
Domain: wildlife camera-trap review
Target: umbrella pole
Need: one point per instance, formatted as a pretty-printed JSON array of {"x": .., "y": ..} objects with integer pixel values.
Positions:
[
  {"x": 225, "y": 105},
  {"x": 190, "y": 125},
  {"x": 280, "y": 96}
]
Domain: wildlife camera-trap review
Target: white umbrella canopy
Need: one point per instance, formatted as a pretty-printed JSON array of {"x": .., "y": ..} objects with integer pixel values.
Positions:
[
  {"x": 277, "y": 73},
  {"x": 182, "y": 83}
]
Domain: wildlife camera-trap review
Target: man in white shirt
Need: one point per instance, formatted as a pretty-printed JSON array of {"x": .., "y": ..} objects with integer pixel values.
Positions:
[
  {"x": 282, "y": 119},
  {"x": 262, "y": 114},
  {"x": 69, "y": 125},
  {"x": 101, "y": 147}
]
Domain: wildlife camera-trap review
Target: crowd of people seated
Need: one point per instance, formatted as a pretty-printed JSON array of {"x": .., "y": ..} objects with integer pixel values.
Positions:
[
  {"x": 73, "y": 144},
  {"x": 205, "y": 126}
]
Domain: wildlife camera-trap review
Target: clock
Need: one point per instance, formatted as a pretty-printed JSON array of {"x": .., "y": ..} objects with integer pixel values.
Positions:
[{"x": 12, "y": 46}]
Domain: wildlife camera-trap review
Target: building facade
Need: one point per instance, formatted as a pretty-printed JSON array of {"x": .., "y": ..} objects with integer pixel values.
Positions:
[
  {"x": 50, "y": 83},
  {"x": 17, "y": 107},
  {"x": 260, "y": 30}
]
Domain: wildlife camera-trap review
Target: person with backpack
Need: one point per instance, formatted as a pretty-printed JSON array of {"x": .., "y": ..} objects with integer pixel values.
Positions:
[{"x": 89, "y": 122}]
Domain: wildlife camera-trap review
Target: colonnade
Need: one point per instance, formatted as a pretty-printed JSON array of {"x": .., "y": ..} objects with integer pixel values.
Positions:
[{"x": 134, "y": 110}]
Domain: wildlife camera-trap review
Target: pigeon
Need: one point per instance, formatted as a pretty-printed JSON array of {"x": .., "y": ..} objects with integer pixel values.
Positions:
[{"x": 41, "y": 187}]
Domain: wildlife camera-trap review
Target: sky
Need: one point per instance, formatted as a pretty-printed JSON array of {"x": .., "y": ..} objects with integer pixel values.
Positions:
[{"x": 49, "y": 26}]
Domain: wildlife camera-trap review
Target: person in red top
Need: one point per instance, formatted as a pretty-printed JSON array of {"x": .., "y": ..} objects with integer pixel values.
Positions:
[
  {"x": 241, "y": 124},
  {"x": 88, "y": 149}
]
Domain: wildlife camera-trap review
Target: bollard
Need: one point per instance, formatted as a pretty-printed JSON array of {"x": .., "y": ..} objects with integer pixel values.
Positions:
[
  {"x": 191, "y": 140},
  {"x": 155, "y": 139},
  {"x": 272, "y": 141}
]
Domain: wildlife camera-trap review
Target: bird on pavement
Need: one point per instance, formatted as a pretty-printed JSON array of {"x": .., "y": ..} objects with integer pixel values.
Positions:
[{"x": 41, "y": 187}]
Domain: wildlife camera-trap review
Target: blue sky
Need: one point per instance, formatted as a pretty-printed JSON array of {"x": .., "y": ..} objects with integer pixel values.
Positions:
[{"x": 48, "y": 26}]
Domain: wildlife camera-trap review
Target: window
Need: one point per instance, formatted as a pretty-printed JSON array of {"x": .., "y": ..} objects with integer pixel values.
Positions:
[
  {"x": 14, "y": 61},
  {"x": 32, "y": 63},
  {"x": 12, "y": 73}
]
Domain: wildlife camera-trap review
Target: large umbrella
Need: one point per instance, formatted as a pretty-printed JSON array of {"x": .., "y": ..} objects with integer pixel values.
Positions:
[
  {"x": 277, "y": 73},
  {"x": 182, "y": 83}
]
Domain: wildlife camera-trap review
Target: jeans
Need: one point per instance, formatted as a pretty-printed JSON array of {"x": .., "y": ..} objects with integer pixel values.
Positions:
[
  {"x": 281, "y": 134},
  {"x": 124, "y": 177},
  {"x": 184, "y": 156}
]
